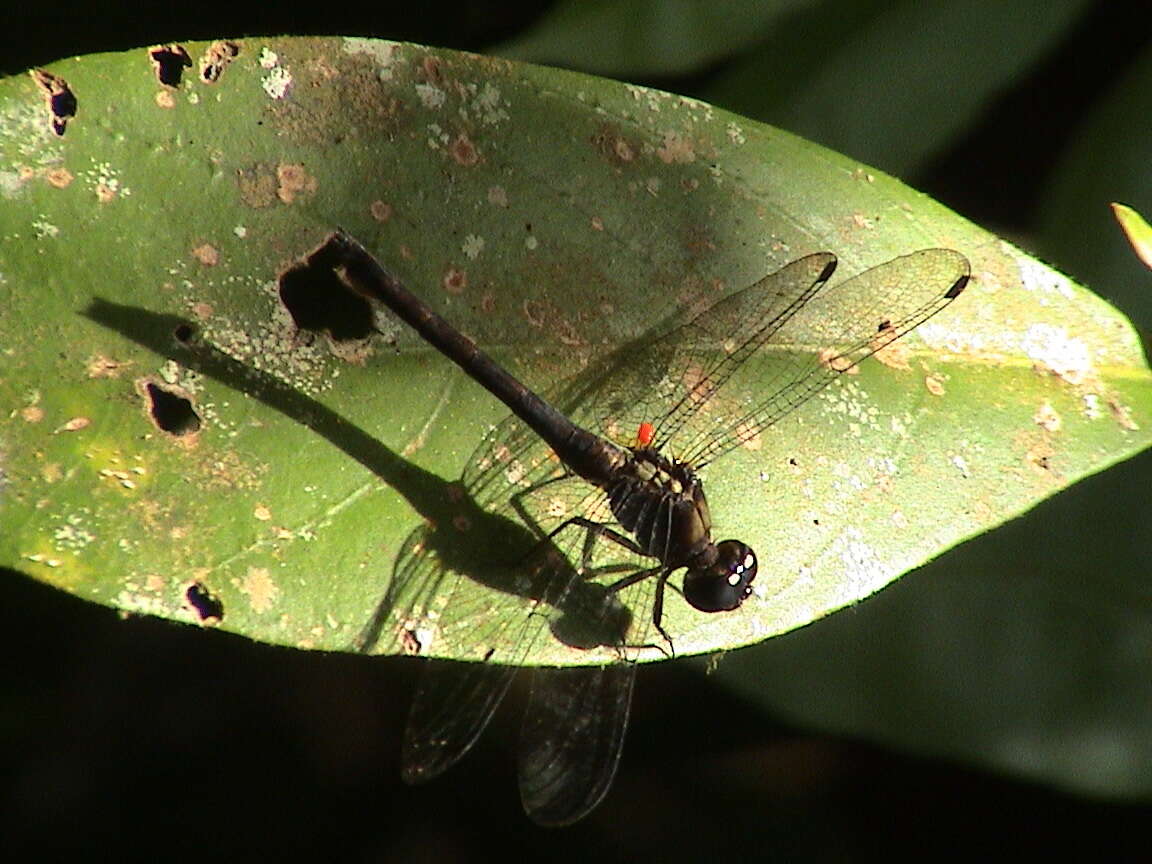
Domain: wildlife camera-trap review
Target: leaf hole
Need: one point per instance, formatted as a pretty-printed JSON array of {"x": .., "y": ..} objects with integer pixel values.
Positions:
[
  {"x": 184, "y": 333},
  {"x": 61, "y": 100},
  {"x": 170, "y": 61},
  {"x": 320, "y": 301},
  {"x": 216, "y": 60},
  {"x": 172, "y": 412},
  {"x": 207, "y": 606}
]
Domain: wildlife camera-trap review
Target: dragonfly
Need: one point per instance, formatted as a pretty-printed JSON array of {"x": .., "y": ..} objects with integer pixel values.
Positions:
[{"x": 587, "y": 497}]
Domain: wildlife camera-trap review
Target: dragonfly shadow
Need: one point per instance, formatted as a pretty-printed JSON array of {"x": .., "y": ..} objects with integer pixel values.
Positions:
[{"x": 457, "y": 537}]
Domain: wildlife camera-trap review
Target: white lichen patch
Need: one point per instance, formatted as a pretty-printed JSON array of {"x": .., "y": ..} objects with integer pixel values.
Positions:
[
  {"x": 271, "y": 344},
  {"x": 268, "y": 58},
  {"x": 735, "y": 133},
  {"x": 437, "y": 137},
  {"x": 676, "y": 149},
  {"x": 72, "y": 535},
  {"x": 430, "y": 96},
  {"x": 277, "y": 82},
  {"x": 961, "y": 465},
  {"x": 851, "y": 402},
  {"x": 498, "y": 196},
  {"x": 864, "y": 571},
  {"x": 472, "y": 246},
  {"x": 144, "y": 599},
  {"x": 1092, "y": 408},
  {"x": 1053, "y": 348},
  {"x": 11, "y": 183},
  {"x": 489, "y": 104},
  {"x": 1034, "y": 276},
  {"x": 22, "y": 125},
  {"x": 43, "y": 228},
  {"x": 105, "y": 182},
  {"x": 380, "y": 50}
]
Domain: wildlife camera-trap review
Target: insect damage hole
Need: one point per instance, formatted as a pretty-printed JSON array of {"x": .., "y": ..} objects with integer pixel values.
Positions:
[
  {"x": 170, "y": 61},
  {"x": 170, "y": 410},
  {"x": 319, "y": 301},
  {"x": 207, "y": 606},
  {"x": 184, "y": 333},
  {"x": 216, "y": 60},
  {"x": 62, "y": 103}
]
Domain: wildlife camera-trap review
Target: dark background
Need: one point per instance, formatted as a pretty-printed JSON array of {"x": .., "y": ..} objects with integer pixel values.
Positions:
[{"x": 138, "y": 738}]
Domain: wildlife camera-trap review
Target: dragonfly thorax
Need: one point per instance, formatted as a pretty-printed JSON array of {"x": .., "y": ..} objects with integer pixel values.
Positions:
[{"x": 662, "y": 502}]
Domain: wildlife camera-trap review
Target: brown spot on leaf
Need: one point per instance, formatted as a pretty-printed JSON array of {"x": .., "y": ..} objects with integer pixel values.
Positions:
[
  {"x": 455, "y": 281},
  {"x": 837, "y": 362},
  {"x": 206, "y": 254},
  {"x": 381, "y": 211},
  {"x": 410, "y": 642},
  {"x": 216, "y": 60},
  {"x": 262, "y": 592},
  {"x": 614, "y": 147},
  {"x": 895, "y": 355},
  {"x": 1047, "y": 418},
  {"x": 75, "y": 424},
  {"x": 464, "y": 151},
  {"x": 257, "y": 185},
  {"x": 100, "y": 366},
  {"x": 61, "y": 178},
  {"x": 534, "y": 312},
  {"x": 1039, "y": 457},
  {"x": 430, "y": 69},
  {"x": 934, "y": 384},
  {"x": 165, "y": 99},
  {"x": 1121, "y": 414},
  {"x": 675, "y": 148},
  {"x": 293, "y": 180}
]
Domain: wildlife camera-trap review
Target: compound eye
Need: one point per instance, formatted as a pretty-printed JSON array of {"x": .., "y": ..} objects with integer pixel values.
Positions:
[{"x": 726, "y": 583}]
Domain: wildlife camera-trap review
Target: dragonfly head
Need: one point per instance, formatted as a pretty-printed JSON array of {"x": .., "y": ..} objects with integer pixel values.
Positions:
[{"x": 726, "y": 582}]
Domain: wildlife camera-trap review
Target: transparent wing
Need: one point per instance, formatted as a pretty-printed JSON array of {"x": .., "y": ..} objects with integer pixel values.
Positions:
[
  {"x": 803, "y": 331},
  {"x": 541, "y": 590},
  {"x": 834, "y": 330},
  {"x": 571, "y": 739},
  {"x": 666, "y": 380},
  {"x": 549, "y": 579}
]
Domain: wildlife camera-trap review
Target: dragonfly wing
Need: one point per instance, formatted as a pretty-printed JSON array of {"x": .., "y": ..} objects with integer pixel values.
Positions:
[
  {"x": 436, "y": 598},
  {"x": 571, "y": 739},
  {"x": 686, "y": 366},
  {"x": 535, "y": 589},
  {"x": 807, "y": 348},
  {"x": 452, "y": 706}
]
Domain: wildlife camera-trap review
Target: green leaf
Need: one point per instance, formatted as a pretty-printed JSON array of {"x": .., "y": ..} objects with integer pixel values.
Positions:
[
  {"x": 631, "y": 38},
  {"x": 172, "y": 445},
  {"x": 1136, "y": 229},
  {"x": 893, "y": 84},
  {"x": 1106, "y": 161}
]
